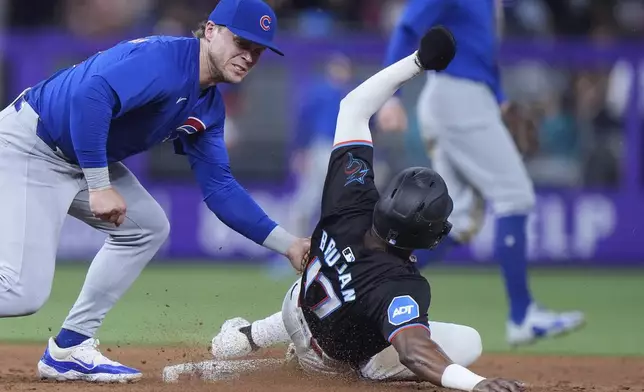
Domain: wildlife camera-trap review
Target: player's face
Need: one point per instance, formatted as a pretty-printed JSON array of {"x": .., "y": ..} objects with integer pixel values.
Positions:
[
  {"x": 233, "y": 56},
  {"x": 339, "y": 69}
]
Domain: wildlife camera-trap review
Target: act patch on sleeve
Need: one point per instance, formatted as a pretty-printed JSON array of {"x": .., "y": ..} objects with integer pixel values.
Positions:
[{"x": 402, "y": 309}]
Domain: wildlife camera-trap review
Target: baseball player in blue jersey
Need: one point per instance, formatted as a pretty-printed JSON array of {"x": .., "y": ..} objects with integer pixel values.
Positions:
[
  {"x": 460, "y": 114},
  {"x": 61, "y": 144}
]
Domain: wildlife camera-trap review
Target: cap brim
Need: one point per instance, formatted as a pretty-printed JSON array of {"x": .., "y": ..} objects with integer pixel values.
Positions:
[{"x": 256, "y": 39}]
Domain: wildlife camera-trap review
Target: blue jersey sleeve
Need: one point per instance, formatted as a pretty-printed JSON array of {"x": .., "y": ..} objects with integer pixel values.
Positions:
[
  {"x": 418, "y": 16},
  {"x": 90, "y": 116},
  {"x": 140, "y": 76},
  {"x": 223, "y": 195}
]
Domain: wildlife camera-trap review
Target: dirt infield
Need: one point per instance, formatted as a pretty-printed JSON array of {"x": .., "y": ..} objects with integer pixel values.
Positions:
[{"x": 551, "y": 374}]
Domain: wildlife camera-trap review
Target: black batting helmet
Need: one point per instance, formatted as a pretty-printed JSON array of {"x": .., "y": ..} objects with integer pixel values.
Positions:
[{"x": 412, "y": 213}]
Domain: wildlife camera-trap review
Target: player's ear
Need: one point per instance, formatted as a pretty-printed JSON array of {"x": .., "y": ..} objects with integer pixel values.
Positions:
[{"x": 210, "y": 30}]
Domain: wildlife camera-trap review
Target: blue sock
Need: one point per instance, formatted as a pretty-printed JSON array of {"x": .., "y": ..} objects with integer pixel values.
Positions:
[
  {"x": 510, "y": 251},
  {"x": 425, "y": 256},
  {"x": 67, "y": 338}
]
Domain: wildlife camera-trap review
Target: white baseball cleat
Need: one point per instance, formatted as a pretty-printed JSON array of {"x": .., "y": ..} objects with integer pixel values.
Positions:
[
  {"x": 230, "y": 342},
  {"x": 541, "y": 323},
  {"x": 234, "y": 323},
  {"x": 83, "y": 363}
]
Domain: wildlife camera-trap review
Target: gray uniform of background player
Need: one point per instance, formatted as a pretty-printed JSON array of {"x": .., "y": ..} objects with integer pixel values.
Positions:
[
  {"x": 472, "y": 150},
  {"x": 461, "y": 123}
]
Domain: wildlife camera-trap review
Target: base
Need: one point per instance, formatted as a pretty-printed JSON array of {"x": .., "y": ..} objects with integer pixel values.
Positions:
[{"x": 216, "y": 370}]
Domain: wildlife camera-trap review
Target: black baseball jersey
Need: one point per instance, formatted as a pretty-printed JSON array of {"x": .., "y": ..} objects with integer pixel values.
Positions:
[{"x": 354, "y": 299}]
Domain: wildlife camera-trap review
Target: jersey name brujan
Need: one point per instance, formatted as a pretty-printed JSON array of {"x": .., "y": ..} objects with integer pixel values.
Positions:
[{"x": 332, "y": 258}]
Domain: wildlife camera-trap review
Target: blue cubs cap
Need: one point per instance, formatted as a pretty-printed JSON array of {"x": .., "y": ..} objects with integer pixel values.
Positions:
[{"x": 253, "y": 20}]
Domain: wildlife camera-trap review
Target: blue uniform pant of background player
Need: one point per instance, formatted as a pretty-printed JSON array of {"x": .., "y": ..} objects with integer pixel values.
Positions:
[
  {"x": 39, "y": 188},
  {"x": 475, "y": 154}
]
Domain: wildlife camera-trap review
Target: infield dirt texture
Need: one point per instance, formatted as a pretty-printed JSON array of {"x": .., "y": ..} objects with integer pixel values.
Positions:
[
  {"x": 543, "y": 373},
  {"x": 171, "y": 313}
]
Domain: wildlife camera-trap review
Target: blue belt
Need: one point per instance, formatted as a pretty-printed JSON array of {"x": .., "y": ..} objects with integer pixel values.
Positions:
[{"x": 18, "y": 104}]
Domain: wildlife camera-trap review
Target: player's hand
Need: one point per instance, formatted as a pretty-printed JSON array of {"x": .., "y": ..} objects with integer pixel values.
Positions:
[
  {"x": 392, "y": 117},
  {"x": 437, "y": 49},
  {"x": 499, "y": 385},
  {"x": 522, "y": 128},
  {"x": 108, "y": 205},
  {"x": 298, "y": 253}
]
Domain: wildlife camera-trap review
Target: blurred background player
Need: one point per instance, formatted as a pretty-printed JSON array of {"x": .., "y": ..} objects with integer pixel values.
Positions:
[
  {"x": 313, "y": 140},
  {"x": 461, "y": 115},
  {"x": 312, "y": 144}
]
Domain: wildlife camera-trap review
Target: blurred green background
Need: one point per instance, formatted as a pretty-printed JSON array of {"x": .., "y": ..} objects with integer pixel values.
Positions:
[{"x": 186, "y": 304}]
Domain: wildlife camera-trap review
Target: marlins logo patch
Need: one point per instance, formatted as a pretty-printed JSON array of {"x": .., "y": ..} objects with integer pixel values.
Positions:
[{"x": 356, "y": 170}]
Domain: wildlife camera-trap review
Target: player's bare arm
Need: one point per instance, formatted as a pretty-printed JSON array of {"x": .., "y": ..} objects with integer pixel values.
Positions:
[{"x": 420, "y": 354}]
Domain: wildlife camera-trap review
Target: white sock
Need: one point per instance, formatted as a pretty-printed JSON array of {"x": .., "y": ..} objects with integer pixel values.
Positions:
[{"x": 269, "y": 331}]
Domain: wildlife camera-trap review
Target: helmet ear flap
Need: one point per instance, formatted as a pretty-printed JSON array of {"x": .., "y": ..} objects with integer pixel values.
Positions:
[
  {"x": 447, "y": 228},
  {"x": 391, "y": 237}
]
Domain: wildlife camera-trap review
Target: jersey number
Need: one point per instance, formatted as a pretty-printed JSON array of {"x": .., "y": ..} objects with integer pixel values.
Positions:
[{"x": 331, "y": 302}]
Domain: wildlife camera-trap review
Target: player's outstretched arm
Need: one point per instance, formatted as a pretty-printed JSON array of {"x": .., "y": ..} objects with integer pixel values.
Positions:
[
  {"x": 420, "y": 354},
  {"x": 230, "y": 202},
  {"x": 436, "y": 51}
]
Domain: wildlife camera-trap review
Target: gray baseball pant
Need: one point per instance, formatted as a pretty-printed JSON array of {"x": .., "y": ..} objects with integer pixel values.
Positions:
[{"x": 38, "y": 188}]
